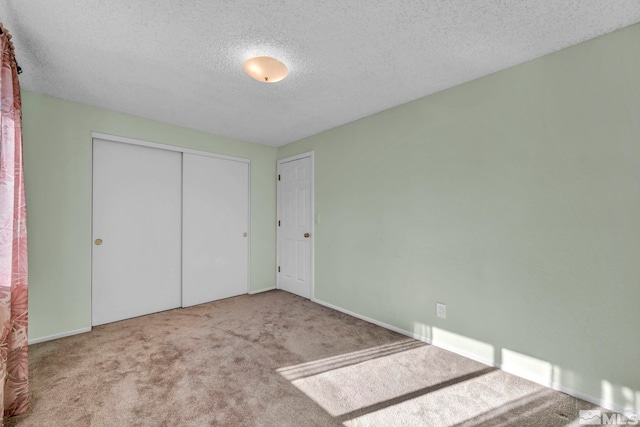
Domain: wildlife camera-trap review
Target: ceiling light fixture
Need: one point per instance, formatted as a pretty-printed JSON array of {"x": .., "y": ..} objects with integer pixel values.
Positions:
[{"x": 265, "y": 69}]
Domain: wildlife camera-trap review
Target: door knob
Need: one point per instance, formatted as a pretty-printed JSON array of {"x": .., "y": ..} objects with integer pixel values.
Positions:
[
  {"x": 244, "y": 234},
  {"x": 307, "y": 235},
  {"x": 98, "y": 242}
]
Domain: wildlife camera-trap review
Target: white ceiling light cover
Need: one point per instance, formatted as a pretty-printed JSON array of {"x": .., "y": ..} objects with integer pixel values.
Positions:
[{"x": 265, "y": 69}]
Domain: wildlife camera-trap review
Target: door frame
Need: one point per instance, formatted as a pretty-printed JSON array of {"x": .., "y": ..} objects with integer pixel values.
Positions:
[
  {"x": 133, "y": 141},
  {"x": 309, "y": 154}
]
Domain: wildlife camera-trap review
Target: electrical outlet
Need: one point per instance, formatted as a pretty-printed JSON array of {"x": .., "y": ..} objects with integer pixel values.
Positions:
[{"x": 441, "y": 310}]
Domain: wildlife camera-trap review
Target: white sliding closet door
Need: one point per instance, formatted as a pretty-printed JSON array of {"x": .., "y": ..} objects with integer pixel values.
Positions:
[
  {"x": 136, "y": 252},
  {"x": 215, "y": 229}
]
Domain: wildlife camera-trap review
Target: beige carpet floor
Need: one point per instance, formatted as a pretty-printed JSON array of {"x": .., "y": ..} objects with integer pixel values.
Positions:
[{"x": 272, "y": 359}]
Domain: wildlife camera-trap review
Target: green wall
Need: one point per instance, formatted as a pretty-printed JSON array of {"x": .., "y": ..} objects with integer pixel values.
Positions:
[
  {"x": 515, "y": 200},
  {"x": 57, "y": 157}
]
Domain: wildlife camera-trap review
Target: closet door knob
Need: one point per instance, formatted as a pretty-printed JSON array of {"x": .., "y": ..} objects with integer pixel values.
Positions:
[
  {"x": 307, "y": 235},
  {"x": 244, "y": 234},
  {"x": 98, "y": 242}
]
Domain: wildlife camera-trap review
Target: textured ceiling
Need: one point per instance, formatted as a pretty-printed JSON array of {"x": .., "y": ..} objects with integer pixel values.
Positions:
[{"x": 180, "y": 62}]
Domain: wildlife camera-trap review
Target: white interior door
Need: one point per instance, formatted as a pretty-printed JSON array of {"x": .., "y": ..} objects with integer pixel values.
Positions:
[
  {"x": 295, "y": 226},
  {"x": 215, "y": 229},
  {"x": 136, "y": 230}
]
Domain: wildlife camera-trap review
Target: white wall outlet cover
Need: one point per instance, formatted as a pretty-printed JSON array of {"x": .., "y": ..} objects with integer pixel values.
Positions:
[{"x": 441, "y": 310}]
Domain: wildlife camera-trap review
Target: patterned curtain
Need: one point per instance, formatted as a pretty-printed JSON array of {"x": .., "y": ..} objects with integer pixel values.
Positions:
[{"x": 14, "y": 396}]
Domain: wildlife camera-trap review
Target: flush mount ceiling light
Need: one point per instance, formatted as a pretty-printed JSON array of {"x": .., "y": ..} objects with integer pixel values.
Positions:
[{"x": 265, "y": 69}]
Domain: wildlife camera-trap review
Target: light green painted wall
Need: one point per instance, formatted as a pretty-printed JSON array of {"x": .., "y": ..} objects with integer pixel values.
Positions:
[
  {"x": 515, "y": 200},
  {"x": 57, "y": 157}
]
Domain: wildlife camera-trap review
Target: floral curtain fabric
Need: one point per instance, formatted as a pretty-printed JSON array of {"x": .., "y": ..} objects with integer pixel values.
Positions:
[{"x": 14, "y": 388}]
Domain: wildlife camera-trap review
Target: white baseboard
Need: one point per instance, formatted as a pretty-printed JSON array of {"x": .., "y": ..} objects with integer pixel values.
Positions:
[
  {"x": 370, "y": 320},
  {"x": 259, "y": 291},
  {"x": 612, "y": 406},
  {"x": 56, "y": 336}
]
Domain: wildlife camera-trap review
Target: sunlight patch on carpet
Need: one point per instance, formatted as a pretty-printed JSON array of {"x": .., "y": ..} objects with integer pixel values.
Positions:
[
  {"x": 373, "y": 386},
  {"x": 303, "y": 370}
]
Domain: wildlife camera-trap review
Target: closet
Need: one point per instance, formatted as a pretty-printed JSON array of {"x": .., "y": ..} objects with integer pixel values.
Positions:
[{"x": 170, "y": 228}]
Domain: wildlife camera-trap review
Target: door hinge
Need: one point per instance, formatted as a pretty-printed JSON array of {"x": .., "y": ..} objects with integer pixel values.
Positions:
[
  {"x": 278, "y": 177},
  {"x": 278, "y": 223},
  {"x": 278, "y": 269}
]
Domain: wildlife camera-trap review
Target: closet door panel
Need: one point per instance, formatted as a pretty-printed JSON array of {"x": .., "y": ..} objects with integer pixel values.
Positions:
[
  {"x": 215, "y": 209},
  {"x": 136, "y": 248}
]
